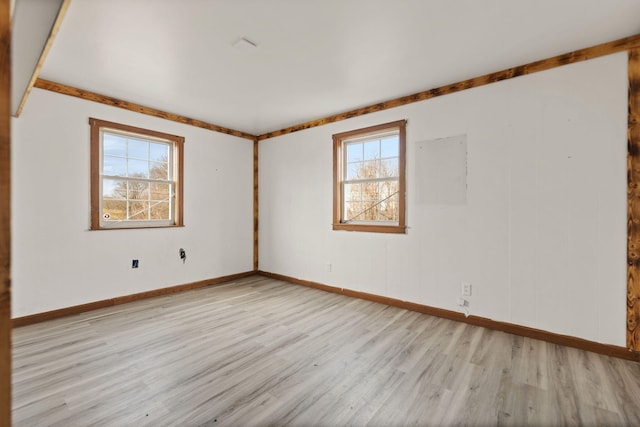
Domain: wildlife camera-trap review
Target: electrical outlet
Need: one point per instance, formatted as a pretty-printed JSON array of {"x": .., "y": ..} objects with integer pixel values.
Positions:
[
  {"x": 328, "y": 268},
  {"x": 134, "y": 263},
  {"x": 466, "y": 289}
]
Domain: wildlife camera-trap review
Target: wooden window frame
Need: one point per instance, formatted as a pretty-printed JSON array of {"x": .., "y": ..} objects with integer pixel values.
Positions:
[
  {"x": 338, "y": 156},
  {"x": 178, "y": 173}
]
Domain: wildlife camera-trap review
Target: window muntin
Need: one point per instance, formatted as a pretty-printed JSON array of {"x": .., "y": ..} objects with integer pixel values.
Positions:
[
  {"x": 369, "y": 179},
  {"x": 136, "y": 177}
]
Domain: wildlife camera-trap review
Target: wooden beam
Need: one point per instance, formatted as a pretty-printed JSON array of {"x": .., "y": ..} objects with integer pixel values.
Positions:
[
  {"x": 5, "y": 214},
  {"x": 43, "y": 55},
  {"x": 119, "y": 103},
  {"x": 255, "y": 204},
  {"x": 620, "y": 45},
  {"x": 633, "y": 203}
]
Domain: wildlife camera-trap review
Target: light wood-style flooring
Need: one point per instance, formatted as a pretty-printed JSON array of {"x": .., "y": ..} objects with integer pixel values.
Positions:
[{"x": 259, "y": 351}]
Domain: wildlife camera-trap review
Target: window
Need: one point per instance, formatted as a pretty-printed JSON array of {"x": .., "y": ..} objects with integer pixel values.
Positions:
[
  {"x": 369, "y": 179},
  {"x": 136, "y": 177}
]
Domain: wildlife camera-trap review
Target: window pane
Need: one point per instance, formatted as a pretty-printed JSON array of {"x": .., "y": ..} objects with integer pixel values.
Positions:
[
  {"x": 138, "y": 168},
  {"x": 354, "y": 153},
  {"x": 370, "y": 191},
  {"x": 370, "y": 169},
  {"x": 352, "y": 192},
  {"x": 138, "y": 190},
  {"x": 372, "y": 150},
  {"x": 388, "y": 207},
  {"x": 138, "y": 149},
  {"x": 114, "y": 145},
  {"x": 160, "y": 191},
  {"x": 389, "y": 210},
  {"x": 160, "y": 211},
  {"x": 369, "y": 211},
  {"x": 158, "y": 170},
  {"x": 353, "y": 170},
  {"x": 388, "y": 168},
  {"x": 138, "y": 210},
  {"x": 114, "y": 188},
  {"x": 352, "y": 210},
  {"x": 158, "y": 152},
  {"x": 114, "y": 166},
  {"x": 387, "y": 188},
  {"x": 114, "y": 210},
  {"x": 389, "y": 147}
]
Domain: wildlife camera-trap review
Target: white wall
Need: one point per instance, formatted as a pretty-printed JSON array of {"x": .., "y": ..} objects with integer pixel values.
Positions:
[
  {"x": 58, "y": 262},
  {"x": 542, "y": 236}
]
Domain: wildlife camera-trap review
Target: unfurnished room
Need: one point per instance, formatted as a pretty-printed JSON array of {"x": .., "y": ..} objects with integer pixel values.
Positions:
[{"x": 319, "y": 213}]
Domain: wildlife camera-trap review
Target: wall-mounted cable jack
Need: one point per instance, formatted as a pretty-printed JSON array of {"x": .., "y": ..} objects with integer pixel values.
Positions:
[
  {"x": 183, "y": 255},
  {"x": 464, "y": 305}
]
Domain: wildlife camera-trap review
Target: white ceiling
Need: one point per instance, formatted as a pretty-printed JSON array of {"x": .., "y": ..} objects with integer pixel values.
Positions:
[{"x": 314, "y": 57}]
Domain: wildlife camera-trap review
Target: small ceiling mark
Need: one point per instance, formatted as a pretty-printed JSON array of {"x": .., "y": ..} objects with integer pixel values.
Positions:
[{"x": 244, "y": 43}]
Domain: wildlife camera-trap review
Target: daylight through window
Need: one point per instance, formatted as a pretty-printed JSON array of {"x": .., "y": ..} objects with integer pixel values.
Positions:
[
  {"x": 369, "y": 179},
  {"x": 135, "y": 177}
]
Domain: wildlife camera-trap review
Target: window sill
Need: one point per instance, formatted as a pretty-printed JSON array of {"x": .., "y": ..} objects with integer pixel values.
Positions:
[
  {"x": 136, "y": 228},
  {"x": 396, "y": 229}
]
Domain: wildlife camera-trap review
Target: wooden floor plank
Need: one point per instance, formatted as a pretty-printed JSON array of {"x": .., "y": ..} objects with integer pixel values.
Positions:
[{"x": 259, "y": 351}]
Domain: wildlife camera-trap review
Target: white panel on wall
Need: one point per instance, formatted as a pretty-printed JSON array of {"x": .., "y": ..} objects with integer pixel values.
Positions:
[{"x": 441, "y": 171}]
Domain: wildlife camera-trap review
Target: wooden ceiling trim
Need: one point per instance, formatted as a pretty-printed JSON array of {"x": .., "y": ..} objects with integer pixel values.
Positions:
[
  {"x": 615, "y": 46},
  {"x": 119, "y": 103},
  {"x": 45, "y": 51},
  {"x": 633, "y": 204}
]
